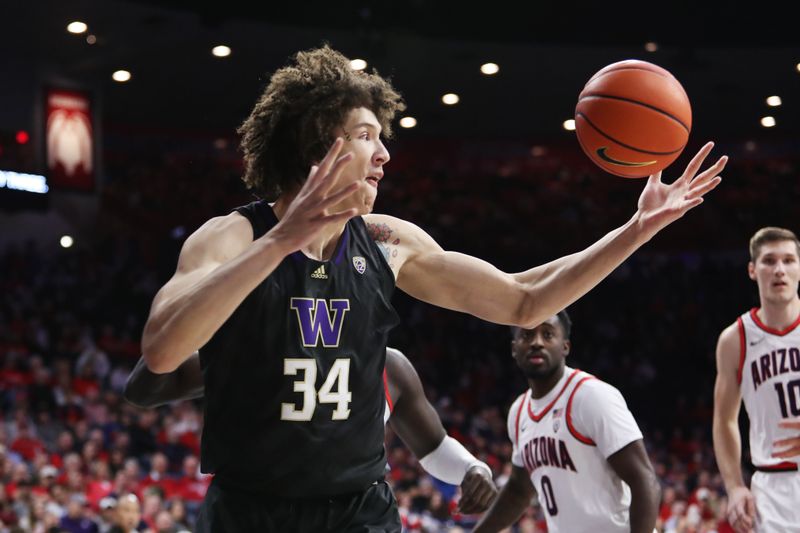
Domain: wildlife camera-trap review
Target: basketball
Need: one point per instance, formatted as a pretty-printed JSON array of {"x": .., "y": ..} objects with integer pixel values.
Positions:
[{"x": 633, "y": 118}]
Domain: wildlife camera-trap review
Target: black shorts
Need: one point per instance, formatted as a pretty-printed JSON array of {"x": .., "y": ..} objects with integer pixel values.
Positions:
[{"x": 372, "y": 511}]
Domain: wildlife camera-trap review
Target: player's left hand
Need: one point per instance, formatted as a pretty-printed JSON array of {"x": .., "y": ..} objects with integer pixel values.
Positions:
[
  {"x": 661, "y": 204},
  {"x": 792, "y": 444},
  {"x": 477, "y": 491}
]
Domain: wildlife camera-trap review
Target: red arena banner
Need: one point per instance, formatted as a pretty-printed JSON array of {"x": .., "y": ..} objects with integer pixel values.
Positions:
[{"x": 70, "y": 140}]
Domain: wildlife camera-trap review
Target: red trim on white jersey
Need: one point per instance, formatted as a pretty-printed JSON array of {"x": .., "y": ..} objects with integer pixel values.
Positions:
[
  {"x": 536, "y": 417},
  {"x": 780, "y": 333},
  {"x": 786, "y": 466},
  {"x": 575, "y": 433},
  {"x": 524, "y": 396},
  {"x": 742, "y": 350},
  {"x": 386, "y": 391}
]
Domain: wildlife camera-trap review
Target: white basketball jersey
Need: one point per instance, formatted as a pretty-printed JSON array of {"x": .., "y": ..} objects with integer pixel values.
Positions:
[
  {"x": 563, "y": 441},
  {"x": 769, "y": 379}
]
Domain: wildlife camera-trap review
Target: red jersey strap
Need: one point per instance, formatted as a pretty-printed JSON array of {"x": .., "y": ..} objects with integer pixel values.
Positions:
[
  {"x": 386, "y": 392},
  {"x": 742, "y": 350},
  {"x": 575, "y": 433},
  {"x": 538, "y": 416},
  {"x": 523, "y": 397}
]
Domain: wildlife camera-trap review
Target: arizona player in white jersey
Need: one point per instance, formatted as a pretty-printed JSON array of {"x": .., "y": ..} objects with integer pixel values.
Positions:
[
  {"x": 758, "y": 362},
  {"x": 575, "y": 443}
]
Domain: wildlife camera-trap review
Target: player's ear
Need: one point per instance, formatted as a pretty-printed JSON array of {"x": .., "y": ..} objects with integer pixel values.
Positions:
[
  {"x": 567, "y": 347},
  {"x": 751, "y": 270}
]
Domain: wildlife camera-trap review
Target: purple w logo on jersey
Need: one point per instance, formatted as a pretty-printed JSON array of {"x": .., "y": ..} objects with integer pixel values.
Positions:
[{"x": 314, "y": 317}]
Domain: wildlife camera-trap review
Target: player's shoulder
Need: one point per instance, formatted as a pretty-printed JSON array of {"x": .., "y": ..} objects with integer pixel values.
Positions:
[
  {"x": 381, "y": 227},
  {"x": 381, "y": 218},
  {"x": 590, "y": 389},
  {"x": 395, "y": 355},
  {"x": 731, "y": 331},
  {"x": 232, "y": 225},
  {"x": 376, "y": 222},
  {"x": 731, "y": 339},
  {"x": 520, "y": 398},
  {"x": 402, "y": 375},
  {"x": 398, "y": 367},
  {"x": 516, "y": 406},
  {"x": 730, "y": 348},
  {"x": 219, "y": 238}
]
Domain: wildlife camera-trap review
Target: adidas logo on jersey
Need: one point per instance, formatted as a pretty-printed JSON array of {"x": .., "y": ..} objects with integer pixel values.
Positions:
[{"x": 319, "y": 273}]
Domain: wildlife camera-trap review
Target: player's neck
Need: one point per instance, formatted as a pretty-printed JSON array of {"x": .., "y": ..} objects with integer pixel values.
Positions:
[
  {"x": 323, "y": 247},
  {"x": 324, "y": 244},
  {"x": 541, "y": 386},
  {"x": 779, "y": 315}
]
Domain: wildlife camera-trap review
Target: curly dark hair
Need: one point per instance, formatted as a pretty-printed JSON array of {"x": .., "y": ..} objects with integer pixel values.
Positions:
[{"x": 293, "y": 123}]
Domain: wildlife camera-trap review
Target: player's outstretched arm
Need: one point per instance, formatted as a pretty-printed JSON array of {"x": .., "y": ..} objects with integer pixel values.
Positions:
[
  {"x": 148, "y": 389},
  {"x": 514, "y": 498},
  {"x": 463, "y": 283},
  {"x": 727, "y": 441},
  {"x": 418, "y": 425},
  {"x": 633, "y": 467},
  {"x": 220, "y": 265}
]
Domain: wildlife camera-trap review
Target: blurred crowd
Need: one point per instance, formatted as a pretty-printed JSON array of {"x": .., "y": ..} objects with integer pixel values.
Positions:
[{"x": 75, "y": 457}]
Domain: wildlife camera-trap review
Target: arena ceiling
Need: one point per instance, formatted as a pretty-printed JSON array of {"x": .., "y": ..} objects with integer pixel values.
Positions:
[{"x": 728, "y": 59}]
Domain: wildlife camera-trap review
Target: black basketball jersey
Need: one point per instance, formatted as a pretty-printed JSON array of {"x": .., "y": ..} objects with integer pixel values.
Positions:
[{"x": 293, "y": 379}]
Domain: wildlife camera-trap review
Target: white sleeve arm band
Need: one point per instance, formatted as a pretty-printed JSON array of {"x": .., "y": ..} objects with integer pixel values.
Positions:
[{"x": 450, "y": 462}]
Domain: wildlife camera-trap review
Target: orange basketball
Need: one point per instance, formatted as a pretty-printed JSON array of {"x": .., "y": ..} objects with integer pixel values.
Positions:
[{"x": 633, "y": 118}]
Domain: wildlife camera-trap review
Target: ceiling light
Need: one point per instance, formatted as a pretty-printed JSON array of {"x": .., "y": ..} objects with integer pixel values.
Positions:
[
  {"x": 77, "y": 27},
  {"x": 221, "y": 51},
  {"x": 121, "y": 76},
  {"x": 490, "y": 69},
  {"x": 450, "y": 99}
]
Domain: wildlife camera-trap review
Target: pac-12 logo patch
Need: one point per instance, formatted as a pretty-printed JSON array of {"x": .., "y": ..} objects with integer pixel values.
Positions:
[{"x": 360, "y": 263}]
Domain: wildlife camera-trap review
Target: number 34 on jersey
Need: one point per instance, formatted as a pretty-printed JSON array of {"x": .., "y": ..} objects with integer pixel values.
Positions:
[{"x": 320, "y": 322}]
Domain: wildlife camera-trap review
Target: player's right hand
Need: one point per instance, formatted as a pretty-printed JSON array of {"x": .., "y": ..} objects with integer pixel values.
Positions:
[
  {"x": 308, "y": 213},
  {"x": 741, "y": 510}
]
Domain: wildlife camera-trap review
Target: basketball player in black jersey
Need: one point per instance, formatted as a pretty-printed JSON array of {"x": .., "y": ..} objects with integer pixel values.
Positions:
[
  {"x": 413, "y": 418},
  {"x": 289, "y": 306}
]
